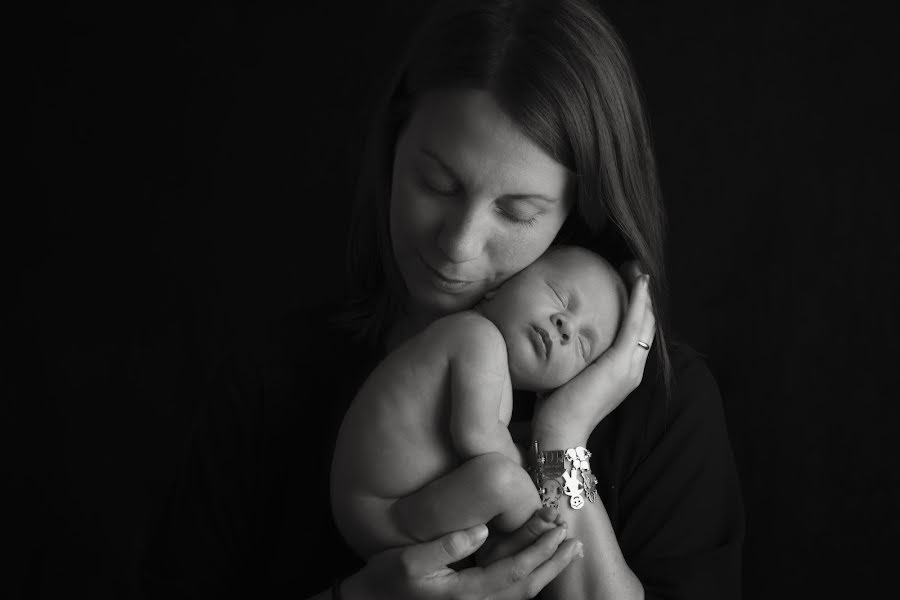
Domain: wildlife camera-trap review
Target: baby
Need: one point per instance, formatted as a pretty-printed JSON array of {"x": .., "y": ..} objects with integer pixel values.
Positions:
[{"x": 424, "y": 448}]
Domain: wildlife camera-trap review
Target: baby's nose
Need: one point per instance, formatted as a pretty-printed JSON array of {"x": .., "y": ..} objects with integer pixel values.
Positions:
[{"x": 563, "y": 327}]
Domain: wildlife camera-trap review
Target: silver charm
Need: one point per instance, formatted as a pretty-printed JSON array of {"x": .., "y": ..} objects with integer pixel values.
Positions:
[
  {"x": 590, "y": 483},
  {"x": 550, "y": 493},
  {"x": 573, "y": 489},
  {"x": 582, "y": 455}
]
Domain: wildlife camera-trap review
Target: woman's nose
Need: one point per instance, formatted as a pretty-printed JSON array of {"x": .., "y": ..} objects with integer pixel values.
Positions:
[
  {"x": 462, "y": 236},
  {"x": 563, "y": 326}
]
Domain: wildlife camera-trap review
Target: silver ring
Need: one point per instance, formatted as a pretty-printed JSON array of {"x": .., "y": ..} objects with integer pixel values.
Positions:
[{"x": 644, "y": 345}]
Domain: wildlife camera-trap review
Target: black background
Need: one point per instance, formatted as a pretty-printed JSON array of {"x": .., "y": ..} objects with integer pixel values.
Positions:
[{"x": 188, "y": 175}]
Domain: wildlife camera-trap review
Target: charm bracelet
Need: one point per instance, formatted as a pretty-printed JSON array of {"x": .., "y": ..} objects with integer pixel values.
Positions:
[{"x": 558, "y": 472}]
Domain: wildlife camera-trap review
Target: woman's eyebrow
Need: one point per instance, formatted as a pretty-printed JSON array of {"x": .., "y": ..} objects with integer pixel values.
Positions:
[
  {"x": 433, "y": 156},
  {"x": 541, "y": 197}
]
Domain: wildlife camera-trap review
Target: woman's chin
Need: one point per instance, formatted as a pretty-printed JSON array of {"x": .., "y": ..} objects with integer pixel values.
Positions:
[{"x": 443, "y": 303}]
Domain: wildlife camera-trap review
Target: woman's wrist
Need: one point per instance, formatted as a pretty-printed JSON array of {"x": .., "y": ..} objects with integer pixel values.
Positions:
[
  {"x": 552, "y": 427},
  {"x": 559, "y": 439},
  {"x": 562, "y": 470}
]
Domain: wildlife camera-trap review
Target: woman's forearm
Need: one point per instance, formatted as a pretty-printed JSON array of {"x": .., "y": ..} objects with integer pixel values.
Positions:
[{"x": 603, "y": 572}]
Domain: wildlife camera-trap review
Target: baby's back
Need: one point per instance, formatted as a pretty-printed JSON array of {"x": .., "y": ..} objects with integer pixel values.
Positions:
[{"x": 396, "y": 435}]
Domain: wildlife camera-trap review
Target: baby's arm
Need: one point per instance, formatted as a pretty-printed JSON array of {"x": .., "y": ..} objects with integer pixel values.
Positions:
[
  {"x": 479, "y": 376},
  {"x": 490, "y": 484}
]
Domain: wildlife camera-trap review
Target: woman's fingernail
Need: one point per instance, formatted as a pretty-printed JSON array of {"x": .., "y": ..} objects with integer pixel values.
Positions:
[
  {"x": 562, "y": 532},
  {"x": 579, "y": 549}
]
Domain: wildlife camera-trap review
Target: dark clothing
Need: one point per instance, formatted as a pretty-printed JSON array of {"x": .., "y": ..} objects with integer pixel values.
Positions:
[{"x": 250, "y": 515}]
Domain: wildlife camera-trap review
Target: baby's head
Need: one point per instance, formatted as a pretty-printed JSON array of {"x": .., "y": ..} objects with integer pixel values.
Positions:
[{"x": 557, "y": 316}]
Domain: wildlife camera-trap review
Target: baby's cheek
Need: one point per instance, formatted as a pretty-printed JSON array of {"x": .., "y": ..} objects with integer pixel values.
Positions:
[
  {"x": 576, "y": 366},
  {"x": 562, "y": 373}
]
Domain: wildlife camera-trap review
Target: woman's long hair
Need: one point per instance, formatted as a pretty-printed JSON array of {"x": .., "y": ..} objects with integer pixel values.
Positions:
[{"x": 562, "y": 73}]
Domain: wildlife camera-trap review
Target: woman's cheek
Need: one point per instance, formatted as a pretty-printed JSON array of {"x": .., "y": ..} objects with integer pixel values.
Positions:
[{"x": 522, "y": 248}]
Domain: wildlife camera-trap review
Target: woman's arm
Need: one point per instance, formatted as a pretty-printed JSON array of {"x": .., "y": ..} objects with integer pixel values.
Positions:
[
  {"x": 565, "y": 420},
  {"x": 677, "y": 501},
  {"x": 603, "y": 573}
]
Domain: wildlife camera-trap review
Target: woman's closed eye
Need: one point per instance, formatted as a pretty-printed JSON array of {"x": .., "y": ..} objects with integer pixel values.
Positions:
[
  {"x": 450, "y": 190},
  {"x": 444, "y": 188},
  {"x": 518, "y": 212},
  {"x": 518, "y": 220}
]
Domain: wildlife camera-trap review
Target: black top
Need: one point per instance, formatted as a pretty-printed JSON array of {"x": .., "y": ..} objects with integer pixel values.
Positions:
[{"x": 250, "y": 512}]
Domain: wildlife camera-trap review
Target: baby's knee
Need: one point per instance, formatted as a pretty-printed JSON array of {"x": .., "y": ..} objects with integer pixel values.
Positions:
[
  {"x": 502, "y": 477},
  {"x": 507, "y": 490}
]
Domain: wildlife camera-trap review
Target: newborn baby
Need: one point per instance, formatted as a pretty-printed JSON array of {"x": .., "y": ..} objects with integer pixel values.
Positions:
[{"x": 424, "y": 448}]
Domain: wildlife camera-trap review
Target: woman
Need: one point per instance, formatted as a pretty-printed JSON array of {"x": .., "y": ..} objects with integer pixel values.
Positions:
[{"x": 508, "y": 125}]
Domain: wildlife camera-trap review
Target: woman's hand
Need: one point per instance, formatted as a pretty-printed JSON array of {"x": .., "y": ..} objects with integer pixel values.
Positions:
[
  {"x": 569, "y": 414},
  {"x": 502, "y": 545},
  {"x": 421, "y": 572}
]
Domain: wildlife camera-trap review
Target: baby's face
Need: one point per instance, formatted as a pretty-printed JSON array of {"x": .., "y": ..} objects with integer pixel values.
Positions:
[{"x": 557, "y": 316}]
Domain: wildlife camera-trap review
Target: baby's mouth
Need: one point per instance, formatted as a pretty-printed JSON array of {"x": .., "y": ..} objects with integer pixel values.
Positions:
[{"x": 545, "y": 340}]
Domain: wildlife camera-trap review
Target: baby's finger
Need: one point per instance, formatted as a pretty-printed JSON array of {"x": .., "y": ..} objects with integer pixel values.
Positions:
[
  {"x": 425, "y": 559},
  {"x": 540, "y": 522}
]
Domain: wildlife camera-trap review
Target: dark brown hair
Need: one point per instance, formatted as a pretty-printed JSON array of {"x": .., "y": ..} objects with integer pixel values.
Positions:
[{"x": 563, "y": 74}]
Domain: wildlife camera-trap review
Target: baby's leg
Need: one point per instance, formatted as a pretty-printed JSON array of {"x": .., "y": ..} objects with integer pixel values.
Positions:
[{"x": 489, "y": 487}]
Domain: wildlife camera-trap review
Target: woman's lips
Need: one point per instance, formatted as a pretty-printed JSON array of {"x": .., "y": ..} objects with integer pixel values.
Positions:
[{"x": 443, "y": 282}]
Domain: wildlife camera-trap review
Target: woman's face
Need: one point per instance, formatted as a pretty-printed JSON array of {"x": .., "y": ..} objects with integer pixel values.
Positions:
[{"x": 473, "y": 200}]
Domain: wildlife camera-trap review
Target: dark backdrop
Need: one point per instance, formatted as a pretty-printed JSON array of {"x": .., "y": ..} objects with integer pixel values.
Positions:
[{"x": 188, "y": 175}]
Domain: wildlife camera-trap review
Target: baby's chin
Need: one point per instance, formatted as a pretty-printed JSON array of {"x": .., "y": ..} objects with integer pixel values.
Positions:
[{"x": 528, "y": 382}]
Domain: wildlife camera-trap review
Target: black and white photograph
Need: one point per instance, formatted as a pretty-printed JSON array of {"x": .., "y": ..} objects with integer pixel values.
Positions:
[{"x": 453, "y": 299}]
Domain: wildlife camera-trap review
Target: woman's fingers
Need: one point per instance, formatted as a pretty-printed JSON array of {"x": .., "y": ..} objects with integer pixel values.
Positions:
[
  {"x": 568, "y": 552},
  {"x": 542, "y": 521},
  {"x": 421, "y": 570},
  {"x": 648, "y": 326},
  {"x": 630, "y": 271},
  {"x": 638, "y": 329},
  {"x": 425, "y": 559},
  {"x": 515, "y": 570},
  {"x": 633, "y": 325}
]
